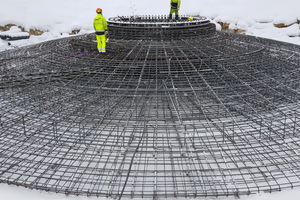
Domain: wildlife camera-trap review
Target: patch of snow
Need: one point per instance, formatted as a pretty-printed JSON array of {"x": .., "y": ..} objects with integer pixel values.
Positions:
[
  {"x": 3, "y": 45},
  {"x": 292, "y": 31},
  {"x": 268, "y": 30},
  {"x": 242, "y": 24},
  {"x": 250, "y": 21},
  {"x": 226, "y": 19},
  {"x": 8, "y": 192},
  {"x": 286, "y": 19},
  {"x": 232, "y": 26},
  {"x": 263, "y": 19},
  {"x": 266, "y": 26}
]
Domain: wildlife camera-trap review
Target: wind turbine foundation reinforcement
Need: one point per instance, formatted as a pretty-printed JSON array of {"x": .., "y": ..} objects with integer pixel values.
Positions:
[{"x": 172, "y": 110}]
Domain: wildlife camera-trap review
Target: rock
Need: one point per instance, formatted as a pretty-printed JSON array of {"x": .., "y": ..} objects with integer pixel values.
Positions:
[
  {"x": 281, "y": 25},
  {"x": 74, "y": 32},
  {"x": 240, "y": 31},
  {"x": 6, "y": 27},
  {"x": 35, "y": 32},
  {"x": 224, "y": 25}
]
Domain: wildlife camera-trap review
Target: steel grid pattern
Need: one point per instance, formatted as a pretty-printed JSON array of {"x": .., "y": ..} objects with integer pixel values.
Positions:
[{"x": 208, "y": 116}]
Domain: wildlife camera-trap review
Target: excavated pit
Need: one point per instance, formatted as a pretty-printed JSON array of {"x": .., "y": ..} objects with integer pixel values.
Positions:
[{"x": 173, "y": 110}]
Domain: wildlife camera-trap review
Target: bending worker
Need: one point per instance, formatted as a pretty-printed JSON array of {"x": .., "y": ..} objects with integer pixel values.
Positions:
[
  {"x": 175, "y": 6},
  {"x": 100, "y": 26}
]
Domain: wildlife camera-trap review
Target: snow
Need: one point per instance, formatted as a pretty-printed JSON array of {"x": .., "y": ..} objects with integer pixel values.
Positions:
[
  {"x": 292, "y": 31},
  {"x": 232, "y": 26},
  {"x": 58, "y": 18},
  {"x": 286, "y": 19},
  {"x": 11, "y": 192},
  {"x": 8, "y": 192},
  {"x": 14, "y": 31}
]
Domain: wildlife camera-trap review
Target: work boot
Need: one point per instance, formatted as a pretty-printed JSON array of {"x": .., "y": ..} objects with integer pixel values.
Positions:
[
  {"x": 176, "y": 17},
  {"x": 170, "y": 18}
]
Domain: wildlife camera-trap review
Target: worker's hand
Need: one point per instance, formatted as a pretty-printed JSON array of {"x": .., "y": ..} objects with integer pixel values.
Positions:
[{"x": 106, "y": 32}]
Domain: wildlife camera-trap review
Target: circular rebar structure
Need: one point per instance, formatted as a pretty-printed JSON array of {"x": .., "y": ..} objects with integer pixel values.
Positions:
[{"x": 185, "y": 114}]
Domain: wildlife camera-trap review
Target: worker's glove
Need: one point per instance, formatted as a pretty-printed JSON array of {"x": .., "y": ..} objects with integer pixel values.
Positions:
[{"x": 106, "y": 32}]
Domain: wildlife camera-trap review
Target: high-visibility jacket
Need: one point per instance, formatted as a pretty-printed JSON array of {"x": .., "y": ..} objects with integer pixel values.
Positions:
[
  {"x": 175, "y": 4},
  {"x": 100, "y": 24}
]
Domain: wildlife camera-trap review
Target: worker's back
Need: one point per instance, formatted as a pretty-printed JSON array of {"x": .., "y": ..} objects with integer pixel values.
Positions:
[{"x": 100, "y": 23}]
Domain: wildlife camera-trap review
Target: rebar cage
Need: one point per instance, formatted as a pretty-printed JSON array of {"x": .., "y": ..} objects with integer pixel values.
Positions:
[{"x": 215, "y": 114}]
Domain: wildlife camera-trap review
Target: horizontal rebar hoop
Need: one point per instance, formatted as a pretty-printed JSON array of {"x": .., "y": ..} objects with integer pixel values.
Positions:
[
  {"x": 189, "y": 117},
  {"x": 159, "y": 27}
]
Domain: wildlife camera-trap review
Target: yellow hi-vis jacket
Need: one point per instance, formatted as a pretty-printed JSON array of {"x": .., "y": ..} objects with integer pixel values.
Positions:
[
  {"x": 100, "y": 24},
  {"x": 175, "y": 4}
]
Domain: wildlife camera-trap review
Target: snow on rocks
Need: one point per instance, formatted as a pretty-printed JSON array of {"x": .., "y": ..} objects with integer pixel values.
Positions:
[
  {"x": 226, "y": 19},
  {"x": 14, "y": 33},
  {"x": 284, "y": 20}
]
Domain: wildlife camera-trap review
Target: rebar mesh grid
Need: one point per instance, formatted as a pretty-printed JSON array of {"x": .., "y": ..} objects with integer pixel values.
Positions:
[{"x": 193, "y": 117}]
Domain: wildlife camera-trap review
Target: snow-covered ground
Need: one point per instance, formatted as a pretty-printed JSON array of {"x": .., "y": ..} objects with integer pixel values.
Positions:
[
  {"x": 58, "y": 18},
  {"x": 9, "y": 192}
]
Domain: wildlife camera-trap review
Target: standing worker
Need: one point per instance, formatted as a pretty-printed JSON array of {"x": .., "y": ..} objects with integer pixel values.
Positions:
[
  {"x": 175, "y": 6},
  {"x": 100, "y": 26}
]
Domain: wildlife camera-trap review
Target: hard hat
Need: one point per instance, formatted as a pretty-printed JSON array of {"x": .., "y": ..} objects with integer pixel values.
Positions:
[{"x": 98, "y": 10}]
